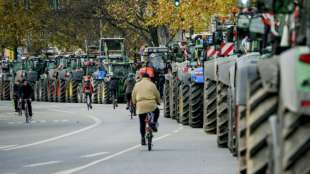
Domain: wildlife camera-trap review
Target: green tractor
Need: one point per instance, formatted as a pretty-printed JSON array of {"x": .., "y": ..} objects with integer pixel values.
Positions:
[
  {"x": 44, "y": 83},
  {"x": 5, "y": 81},
  {"x": 115, "y": 61}
]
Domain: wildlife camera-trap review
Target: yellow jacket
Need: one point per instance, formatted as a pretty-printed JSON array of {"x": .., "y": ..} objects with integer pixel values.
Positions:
[{"x": 145, "y": 96}]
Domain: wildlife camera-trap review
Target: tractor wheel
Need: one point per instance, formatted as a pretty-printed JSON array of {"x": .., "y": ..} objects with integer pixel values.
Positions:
[
  {"x": 36, "y": 91},
  {"x": 43, "y": 90},
  {"x": 98, "y": 93},
  {"x": 166, "y": 99},
  {"x": 222, "y": 115},
  {"x": 6, "y": 90},
  {"x": 261, "y": 105},
  {"x": 74, "y": 97},
  {"x": 232, "y": 124},
  {"x": 242, "y": 139},
  {"x": 67, "y": 94},
  {"x": 174, "y": 97},
  {"x": 295, "y": 143},
  {"x": 62, "y": 91},
  {"x": 95, "y": 95},
  {"x": 196, "y": 106},
  {"x": 1, "y": 97},
  {"x": 79, "y": 93},
  {"x": 210, "y": 107},
  {"x": 49, "y": 91},
  {"x": 184, "y": 96},
  {"x": 105, "y": 93}
]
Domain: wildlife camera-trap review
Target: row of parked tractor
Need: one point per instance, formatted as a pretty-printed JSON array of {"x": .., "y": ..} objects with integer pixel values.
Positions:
[
  {"x": 60, "y": 78},
  {"x": 250, "y": 86}
]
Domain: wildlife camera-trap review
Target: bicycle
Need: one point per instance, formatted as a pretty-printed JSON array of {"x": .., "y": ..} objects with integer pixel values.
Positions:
[
  {"x": 148, "y": 129},
  {"x": 20, "y": 107},
  {"x": 27, "y": 115},
  {"x": 114, "y": 100},
  {"x": 88, "y": 102}
]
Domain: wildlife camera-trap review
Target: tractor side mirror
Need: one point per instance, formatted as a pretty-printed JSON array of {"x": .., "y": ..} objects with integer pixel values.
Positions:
[
  {"x": 243, "y": 21},
  {"x": 257, "y": 26},
  {"x": 244, "y": 3}
]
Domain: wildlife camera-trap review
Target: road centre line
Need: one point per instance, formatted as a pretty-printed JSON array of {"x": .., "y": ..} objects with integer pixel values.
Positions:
[
  {"x": 77, "y": 169},
  {"x": 42, "y": 164},
  {"x": 7, "y": 146},
  {"x": 97, "y": 123},
  {"x": 67, "y": 112},
  {"x": 94, "y": 154}
]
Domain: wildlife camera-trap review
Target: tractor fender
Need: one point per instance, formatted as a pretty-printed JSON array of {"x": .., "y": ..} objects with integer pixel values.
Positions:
[
  {"x": 295, "y": 79},
  {"x": 246, "y": 70},
  {"x": 224, "y": 68},
  {"x": 269, "y": 73},
  {"x": 211, "y": 67},
  {"x": 77, "y": 75}
]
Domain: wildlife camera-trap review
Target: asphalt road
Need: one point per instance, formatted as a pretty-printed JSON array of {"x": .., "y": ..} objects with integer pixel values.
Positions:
[{"x": 65, "y": 138}]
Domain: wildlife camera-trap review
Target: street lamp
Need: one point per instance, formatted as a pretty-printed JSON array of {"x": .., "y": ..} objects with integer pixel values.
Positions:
[{"x": 177, "y": 3}]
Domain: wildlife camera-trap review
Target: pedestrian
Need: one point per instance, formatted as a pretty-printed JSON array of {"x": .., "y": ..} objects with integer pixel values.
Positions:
[
  {"x": 16, "y": 94},
  {"x": 128, "y": 86}
]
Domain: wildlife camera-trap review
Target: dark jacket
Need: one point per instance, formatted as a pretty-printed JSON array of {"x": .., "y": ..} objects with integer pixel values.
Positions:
[
  {"x": 113, "y": 84},
  {"x": 129, "y": 85},
  {"x": 17, "y": 90},
  {"x": 26, "y": 91}
]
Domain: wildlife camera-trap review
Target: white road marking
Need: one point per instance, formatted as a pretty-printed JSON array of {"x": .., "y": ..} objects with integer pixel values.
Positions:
[
  {"x": 97, "y": 123},
  {"x": 77, "y": 169},
  {"x": 56, "y": 121},
  {"x": 42, "y": 164},
  {"x": 64, "y": 121},
  {"x": 7, "y": 146},
  {"x": 94, "y": 154},
  {"x": 67, "y": 112},
  {"x": 176, "y": 131}
]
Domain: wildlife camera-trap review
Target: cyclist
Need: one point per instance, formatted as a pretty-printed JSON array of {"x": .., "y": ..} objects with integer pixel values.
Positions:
[
  {"x": 88, "y": 89},
  {"x": 17, "y": 94},
  {"x": 113, "y": 87},
  {"x": 26, "y": 94},
  {"x": 146, "y": 98},
  {"x": 128, "y": 85}
]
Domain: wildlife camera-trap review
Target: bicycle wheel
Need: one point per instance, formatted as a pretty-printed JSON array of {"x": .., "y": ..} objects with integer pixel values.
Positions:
[
  {"x": 88, "y": 102},
  {"x": 26, "y": 112},
  {"x": 20, "y": 108},
  {"x": 149, "y": 141}
]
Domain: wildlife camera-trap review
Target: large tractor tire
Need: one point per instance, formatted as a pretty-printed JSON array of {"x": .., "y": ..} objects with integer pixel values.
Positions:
[
  {"x": 62, "y": 91},
  {"x": 210, "y": 107},
  {"x": 6, "y": 90},
  {"x": 196, "y": 106},
  {"x": 174, "y": 96},
  {"x": 184, "y": 95},
  {"x": 98, "y": 94},
  {"x": 43, "y": 90},
  {"x": 96, "y": 98},
  {"x": 261, "y": 105},
  {"x": 295, "y": 143},
  {"x": 222, "y": 115},
  {"x": 232, "y": 124},
  {"x": 74, "y": 96},
  {"x": 36, "y": 91},
  {"x": 1, "y": 90},
  {"x": 79, "y": 95},
  {"x": 166, "y": 99},
  {"x": 50, "y": 91},
  {"x": 242, "y": 151},
  {"x": 105, "y": 93}
]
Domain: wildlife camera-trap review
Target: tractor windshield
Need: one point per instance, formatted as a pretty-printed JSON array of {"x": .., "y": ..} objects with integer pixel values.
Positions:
[{"x": 120, "y": 70}]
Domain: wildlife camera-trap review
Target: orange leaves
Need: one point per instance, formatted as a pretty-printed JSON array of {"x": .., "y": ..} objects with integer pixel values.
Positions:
[{"x": 193, "y": 14}]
